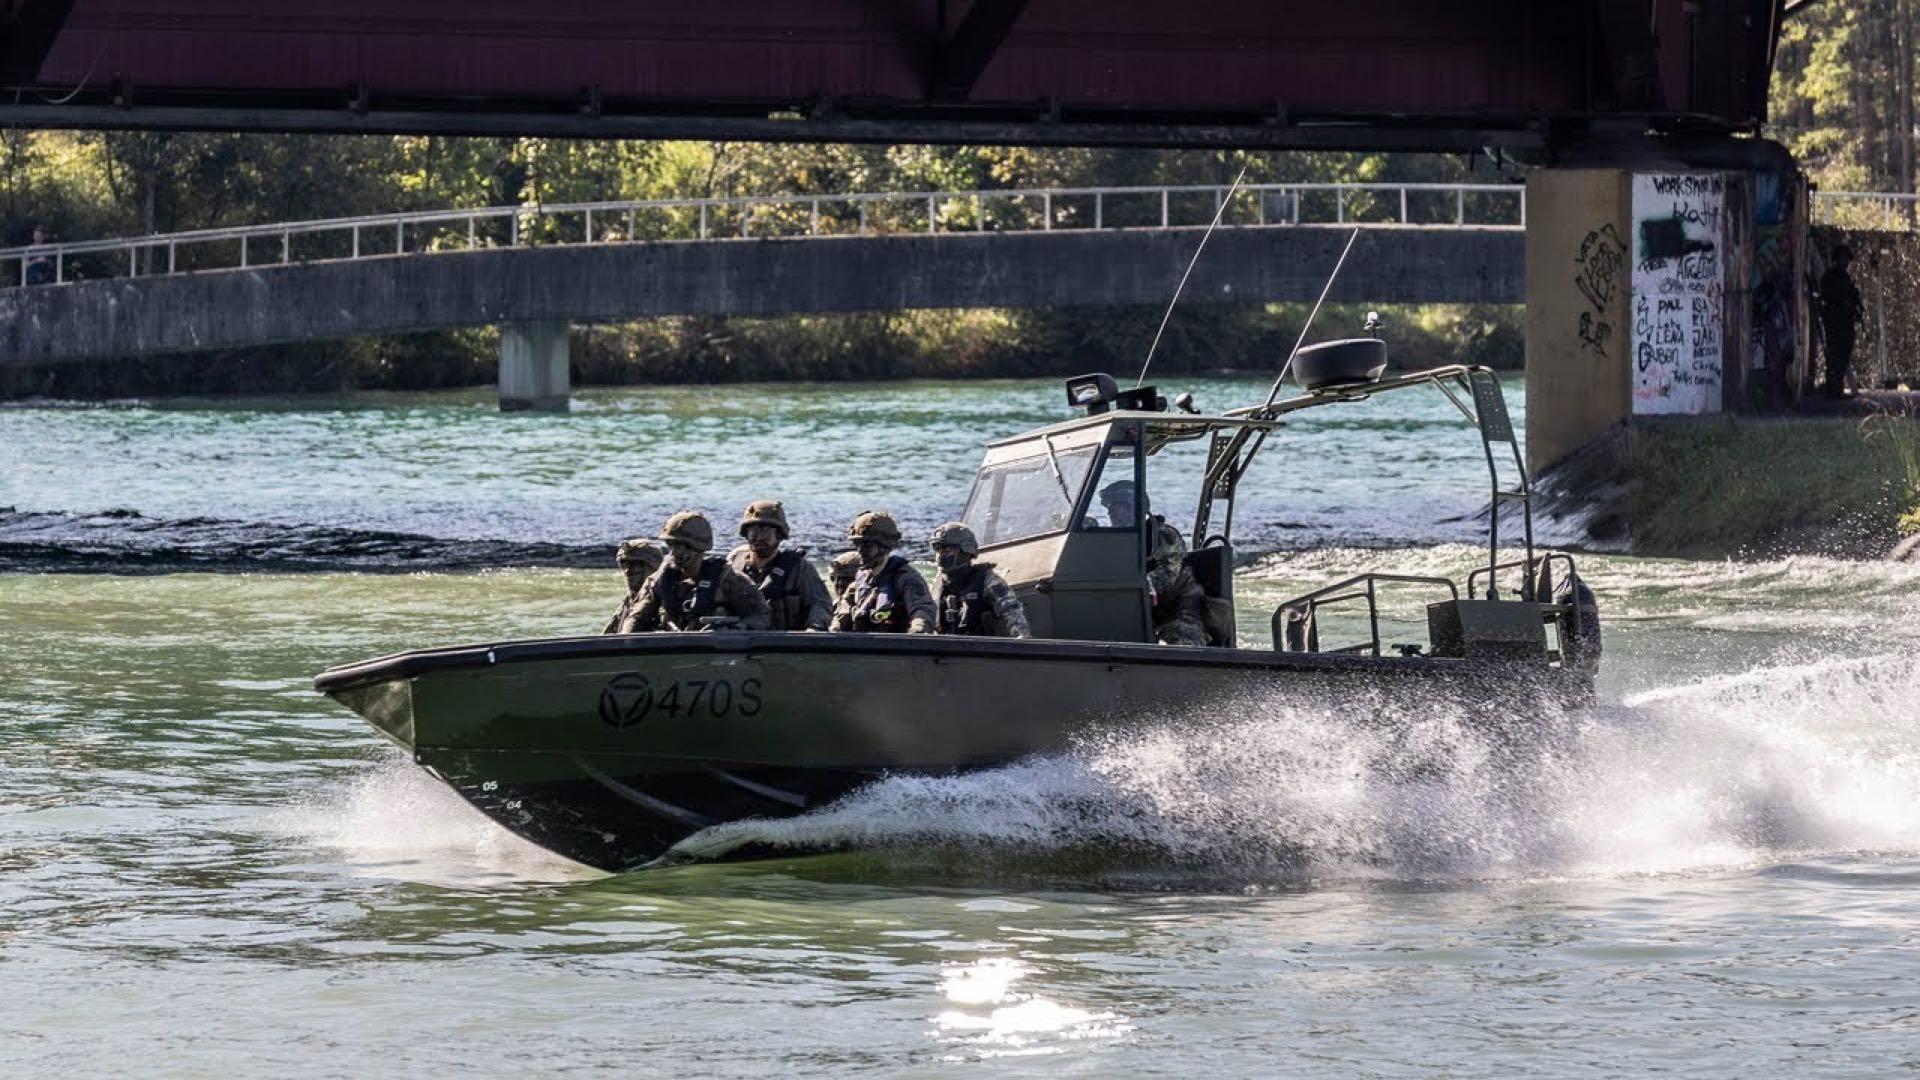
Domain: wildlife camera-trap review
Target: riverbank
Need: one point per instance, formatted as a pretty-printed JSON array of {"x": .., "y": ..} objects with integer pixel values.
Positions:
[
  {"x": 1755, "y": 487},
  {"x": 865, "y": 347}
]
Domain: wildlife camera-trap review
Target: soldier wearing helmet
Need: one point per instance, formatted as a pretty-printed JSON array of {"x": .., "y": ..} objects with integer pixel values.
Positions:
[
  {"x": 841, "y": 573},
  {"x": 969, "y": 596},
  {"x": 1178, "y": 602},
  {"x": 637, "y": 558},
  {"x": 887, "y": 594},
  {"x": 692, "y": 587},
  {"x": 795, "y": 594}
]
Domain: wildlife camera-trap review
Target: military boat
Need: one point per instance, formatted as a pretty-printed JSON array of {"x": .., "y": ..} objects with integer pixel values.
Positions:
[{"x": 611, "y": 750}]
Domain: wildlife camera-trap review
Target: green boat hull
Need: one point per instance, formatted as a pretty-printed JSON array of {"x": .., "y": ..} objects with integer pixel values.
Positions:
[{"x": 611, "y": 750}]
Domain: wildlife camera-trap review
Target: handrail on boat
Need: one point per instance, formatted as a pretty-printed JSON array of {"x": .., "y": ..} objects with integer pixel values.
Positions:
[
  {"x": 1307, "y": 604},
  {"x": 1530, "y": 566},
  {"x": 1474, "y": 389}
]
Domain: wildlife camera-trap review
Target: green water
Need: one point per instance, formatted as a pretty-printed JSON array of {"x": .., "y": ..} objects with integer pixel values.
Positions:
[{"x": 206, "y": 868}]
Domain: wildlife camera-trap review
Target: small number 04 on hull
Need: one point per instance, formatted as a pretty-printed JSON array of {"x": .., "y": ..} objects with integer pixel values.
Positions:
[{"x": 611, "y": 750}]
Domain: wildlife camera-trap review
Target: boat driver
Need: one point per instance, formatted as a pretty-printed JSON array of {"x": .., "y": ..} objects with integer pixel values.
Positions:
[
  {"x": 637, "y": 558},
  {"x": 694, "y": 591},
  {"x": 796, "y": 596},
  {"x": 1179, "y": 603},
  {"x": 888, "y": 595},
  {"x": 969, "y": 596}
]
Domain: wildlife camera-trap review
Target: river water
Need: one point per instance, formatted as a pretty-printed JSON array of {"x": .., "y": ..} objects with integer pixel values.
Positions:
[{"x": 205, "y": 867}]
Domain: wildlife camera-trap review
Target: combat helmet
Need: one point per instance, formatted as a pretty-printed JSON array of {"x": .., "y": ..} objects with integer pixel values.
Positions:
[
  {"x": 689, "y": 527},
  {"x": 955, "y": 534},
  {"x": 639, "y": 551},
  {"x": 1123, "y": 489},
  {"x": 875, "y": 525},
  {"x": 847, "y": 564},
  {"x": 765, "y": 512}
]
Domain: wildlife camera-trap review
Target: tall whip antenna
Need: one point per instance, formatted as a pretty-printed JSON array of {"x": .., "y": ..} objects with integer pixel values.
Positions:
[
  {"x": 1191, "y": 263},
  {"x": 1324, "y": 290}
]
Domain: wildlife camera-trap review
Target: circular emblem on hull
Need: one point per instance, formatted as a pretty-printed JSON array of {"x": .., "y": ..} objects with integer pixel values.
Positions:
[{"x": 626, "y": 700}]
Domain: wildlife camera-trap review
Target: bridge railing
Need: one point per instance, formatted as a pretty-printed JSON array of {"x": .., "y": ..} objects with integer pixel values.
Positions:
[
  {"x": 1866, "y": 209},
  {"x": 761, "y": 216}
]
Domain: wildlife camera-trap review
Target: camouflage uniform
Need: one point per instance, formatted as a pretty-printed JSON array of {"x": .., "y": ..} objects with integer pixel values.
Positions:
[
  {"x": 893, "y": 598},
  {"x": 668, "y": 601},
  {"x": 890, "y": 597},
  {"x": 975, "y": 600},
  {"x": 971, "y": 599},
  {"x": 1179, "y": 604},
  {"x": 796, "y": 597},
  {"x": 671, "y": 601},
  {"x": 638, "y": 555}
]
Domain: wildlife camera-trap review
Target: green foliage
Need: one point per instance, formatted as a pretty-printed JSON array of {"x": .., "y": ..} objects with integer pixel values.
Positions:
[
  {"x": 1842, "y": 97},
  {"x": 1771, "y": 487}
]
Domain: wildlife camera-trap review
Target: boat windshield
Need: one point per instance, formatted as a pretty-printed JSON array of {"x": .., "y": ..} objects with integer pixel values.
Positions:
[{"x": 1028, "y": 496}]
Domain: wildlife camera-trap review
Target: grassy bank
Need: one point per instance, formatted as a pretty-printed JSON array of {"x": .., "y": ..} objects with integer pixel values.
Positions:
[
  {"x": 1765, "y": 487},
  {"x": 879, "y": 345}
]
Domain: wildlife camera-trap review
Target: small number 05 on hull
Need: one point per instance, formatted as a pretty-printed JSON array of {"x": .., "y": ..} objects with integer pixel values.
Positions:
[{"x": 611, "y": 750}]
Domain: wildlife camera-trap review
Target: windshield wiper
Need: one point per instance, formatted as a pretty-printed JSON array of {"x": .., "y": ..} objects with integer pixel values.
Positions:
[{"x": 1054, "y": 464}]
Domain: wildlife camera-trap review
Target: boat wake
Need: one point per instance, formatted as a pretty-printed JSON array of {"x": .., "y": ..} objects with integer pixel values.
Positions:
[{"x": 1777, "y": 763}]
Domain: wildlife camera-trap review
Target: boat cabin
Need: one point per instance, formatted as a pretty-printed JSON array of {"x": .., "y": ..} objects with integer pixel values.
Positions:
[{"x": 1065, "y": 514}]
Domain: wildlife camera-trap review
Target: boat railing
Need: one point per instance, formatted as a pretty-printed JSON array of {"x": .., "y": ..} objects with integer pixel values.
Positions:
[
  {"x": 1295, "y": 625},
  {"x": 1531, "y": 568}
]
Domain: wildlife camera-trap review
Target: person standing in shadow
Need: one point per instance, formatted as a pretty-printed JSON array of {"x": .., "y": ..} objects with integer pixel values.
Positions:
[{"x": 1839, "y": 318}]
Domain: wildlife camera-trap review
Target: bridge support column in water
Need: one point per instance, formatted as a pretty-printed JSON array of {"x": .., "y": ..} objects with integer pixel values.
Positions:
[
  {"x": 533, "y": 367},
  {"x": 1578, "y": 277}
]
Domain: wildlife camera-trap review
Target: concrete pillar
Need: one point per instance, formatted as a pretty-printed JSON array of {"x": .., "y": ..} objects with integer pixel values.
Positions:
[
  {"x": 1579, "y": 281},
  {"x": 533, "y": 367}
]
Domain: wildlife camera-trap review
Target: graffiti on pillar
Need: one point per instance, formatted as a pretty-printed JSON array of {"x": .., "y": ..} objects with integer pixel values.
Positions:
[
  {"x": 1594, "y": 333},
  {"x": 1776, "y": 323},
  {"x": 1678, "y": 286},
  {"x": 1600, "y": 261}
]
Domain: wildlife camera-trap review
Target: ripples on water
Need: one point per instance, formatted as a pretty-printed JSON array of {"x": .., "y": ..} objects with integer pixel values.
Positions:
[{"x": 205, "y": 867}]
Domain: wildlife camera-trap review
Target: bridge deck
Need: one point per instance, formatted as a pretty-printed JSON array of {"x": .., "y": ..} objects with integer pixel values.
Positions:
[{"x": 617, "y": 282}]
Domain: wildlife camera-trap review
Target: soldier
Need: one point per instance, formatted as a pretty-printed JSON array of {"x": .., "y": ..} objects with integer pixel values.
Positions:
[
  {"x": 795, "y": 594},
  {"x": 691, "y": 586},
  {"x": 887, "y": 595},
  {"x": 969, "y": 596},
  {"x": 845, "y": 566},
  {"x": 1179, "y": 603},
  {"x": 637, "y": 558}
]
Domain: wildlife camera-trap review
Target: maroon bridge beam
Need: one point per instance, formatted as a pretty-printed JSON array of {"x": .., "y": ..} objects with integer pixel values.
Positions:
[{"x": 1260, "y": 73}]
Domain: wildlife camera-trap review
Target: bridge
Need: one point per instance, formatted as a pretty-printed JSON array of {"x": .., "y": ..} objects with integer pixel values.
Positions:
[
  {"x": 1361, "y": 75},
  {"x": 536, "y": 269}
]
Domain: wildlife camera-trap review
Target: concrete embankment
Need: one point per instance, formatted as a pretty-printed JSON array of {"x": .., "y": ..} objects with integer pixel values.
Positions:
[{"x": 1842, "y": 486}]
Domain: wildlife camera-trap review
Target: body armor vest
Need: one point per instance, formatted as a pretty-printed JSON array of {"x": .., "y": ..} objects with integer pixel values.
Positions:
[
  {"x": 687, "y": 605},
  {"x": 881, "y": 608},
  {"x": 963, "y": 608},
  {"x": 780, "y": 584}
]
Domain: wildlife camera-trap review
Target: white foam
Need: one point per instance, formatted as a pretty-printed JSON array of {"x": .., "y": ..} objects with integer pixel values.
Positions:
[
  {"x": 1777, "y": 762},
  {"x": 398, "y": 820}
]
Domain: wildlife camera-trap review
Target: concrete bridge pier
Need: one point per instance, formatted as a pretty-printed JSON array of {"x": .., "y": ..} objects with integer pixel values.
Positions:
[
  {"x": 1662, "y": 285},
  {"x": 533, "y": 367}
]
